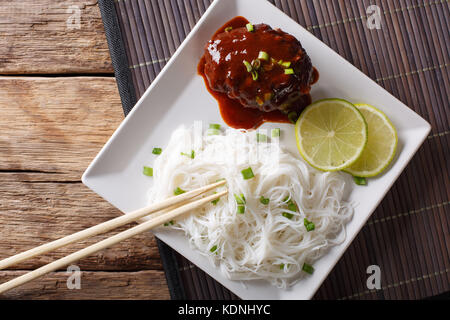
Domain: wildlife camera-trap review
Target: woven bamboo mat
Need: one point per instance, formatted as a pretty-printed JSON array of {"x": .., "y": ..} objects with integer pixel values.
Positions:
[{"x": 408, "y": 235}]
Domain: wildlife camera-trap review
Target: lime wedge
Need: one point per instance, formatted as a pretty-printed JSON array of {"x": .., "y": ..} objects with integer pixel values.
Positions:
[
  {"x": 381, "y": 145},
  {"x": 331, "y": 134}
]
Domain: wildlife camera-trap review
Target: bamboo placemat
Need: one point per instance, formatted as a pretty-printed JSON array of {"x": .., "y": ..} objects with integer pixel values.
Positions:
[{"x": 408, "y": 235}]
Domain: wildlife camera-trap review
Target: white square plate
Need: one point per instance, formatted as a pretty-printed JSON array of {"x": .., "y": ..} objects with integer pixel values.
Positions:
[{"x": 178, "y": 96}]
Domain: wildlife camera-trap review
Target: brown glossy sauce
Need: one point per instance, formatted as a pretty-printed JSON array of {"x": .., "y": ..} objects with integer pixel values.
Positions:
[{"x": 233, "y": 112}]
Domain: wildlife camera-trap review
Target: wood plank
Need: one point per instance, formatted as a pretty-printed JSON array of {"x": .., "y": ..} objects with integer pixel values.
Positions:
[
  {"x": 42, "y": 37},
  {"x": 142, "y": 285},
  {"x": 37, "y": 212},
  {"x": 56, "y": 124},
  {"x": 51, "y": 129}
]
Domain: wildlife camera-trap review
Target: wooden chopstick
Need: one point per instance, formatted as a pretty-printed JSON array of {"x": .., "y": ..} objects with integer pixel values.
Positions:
[
  {"x": 154, "y": 222},
  {"x": 106, "y": 226}
]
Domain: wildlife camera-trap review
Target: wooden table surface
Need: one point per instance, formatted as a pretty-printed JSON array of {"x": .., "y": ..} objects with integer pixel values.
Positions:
[{"x": 60, "y": 104}]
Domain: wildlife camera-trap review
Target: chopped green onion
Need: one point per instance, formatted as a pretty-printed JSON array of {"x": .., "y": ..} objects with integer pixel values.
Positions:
[
  {"x": 292, "y": 206},
  {"x": 157, "y": 151},
  {"x": 287, "y": 199},
  {"x": 360, "y": 181},
  {"x": 148, "y": 171},
  {"x": 292, "y": 116},
  {"x": 263, "y": 55},
  {"x": 286, "y": 64},
  {"x": 282, "y": 266},
  {"x": 247, "y": 173},
  {"x": 308, "y": 268},
  {"x": 276, "y": 132},
  {"x": 240, "y": 199},
  {"x": 178, "y": 191},
  {"x": 250, "y": 27},
  {"x": 241, "y": 209},
  {"x": 310, "y": 226},
  {"x": 213, "y": 249},
  {"x": 255, "y": 75},
  {"x": 256, "y": 64},
  {"x": 214, "y": 126},
  {"x": 214, "y": 202},
  {"x": 288, "y": 215},
  {"x": 280, "y": 62},
  {"x": 264, "y": 201},
  {"x": 171, "y": 222},
  {"x": 192, "y": 155},
  {"x": 289, "y": 71},
  {"x": 228, "y": 29},
  {"x": 248, "y": 65},
  {"x": 213, "y": 132},
  {"x": 261, "y": 137}
]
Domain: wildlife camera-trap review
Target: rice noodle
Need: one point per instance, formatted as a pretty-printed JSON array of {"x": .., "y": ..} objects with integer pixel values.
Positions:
[{"x": 261, "y": 243}]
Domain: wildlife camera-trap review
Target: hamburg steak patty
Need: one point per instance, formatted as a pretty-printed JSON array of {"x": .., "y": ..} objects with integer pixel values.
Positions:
[{"x": 264, "y": 68}]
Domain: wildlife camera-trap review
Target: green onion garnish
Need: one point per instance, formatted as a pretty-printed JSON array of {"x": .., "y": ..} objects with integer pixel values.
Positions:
[
  {"x": 255, "y": 75},
  {"x": 261, "y": 137},
  {"x": 292, "y": 206},
  {"x": 240, "y": 199},
  {"x": 310, "y": 226},
  {"x": 247, "y": 65},
  {"x": 286, "y": 64},
  {"x": 241, "y": 209},
  {"x": 247, "y": 173},
  {"x": 360, "y": 181},
  {"x": 228, "y": 29},
  {"x": 178, "y": 191},
  {"x": 256, "y": 64},
  {"x": 213, "y": 132},
  {"x": 214, "y": 126},
  {"x": 308, "y": 268},
  {"x": 250, "y": 27},
  {"x": 282, "y": 266},
  {"x": 289, "y": 71},
  {"x": 288, "y": 215},
  {"x": 157, "y": 151},
  {"x": 292, "y": 116},
  {"x": 148, "y": 171},
  {"x": 192, "y": 155},
  {"x": 264, "y": 201},
  {"x": 171, "y": 222},
  {"x": 213, "y": 249},
  {"x": 263, "y": 55},
  {"x": 214, "y": 202},
  {"x": 276, "y": 132}
]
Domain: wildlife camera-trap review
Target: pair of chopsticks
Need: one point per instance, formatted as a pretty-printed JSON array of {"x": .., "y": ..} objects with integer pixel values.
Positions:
[{"x": 161, "y": 213}]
